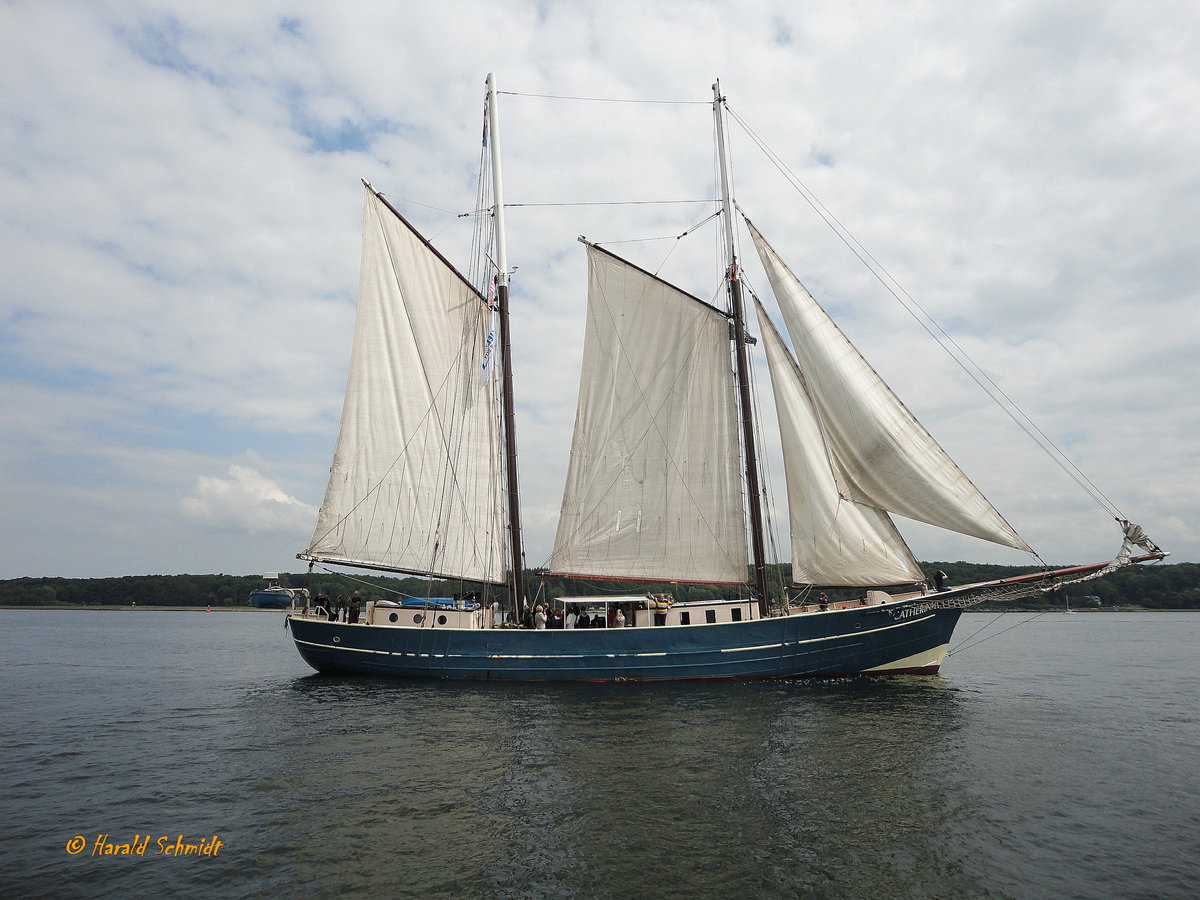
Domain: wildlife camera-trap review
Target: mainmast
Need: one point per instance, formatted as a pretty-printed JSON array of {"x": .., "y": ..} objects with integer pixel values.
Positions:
[
  {"x": 510, "y": 438},
  {"x": 753, "y": 491}
]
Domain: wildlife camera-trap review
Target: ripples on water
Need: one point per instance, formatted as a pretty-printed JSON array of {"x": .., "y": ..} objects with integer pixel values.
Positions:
[{"x": 1054, "y": 761}]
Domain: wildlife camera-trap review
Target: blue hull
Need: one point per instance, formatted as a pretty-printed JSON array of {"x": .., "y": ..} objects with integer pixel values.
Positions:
[
  {"x": 897, "y": 639},
  {"x": 266, "y": 599}
]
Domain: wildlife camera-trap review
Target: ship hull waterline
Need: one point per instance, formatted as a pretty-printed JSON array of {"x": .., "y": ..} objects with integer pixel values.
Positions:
[{"x": 879, "y": 640}]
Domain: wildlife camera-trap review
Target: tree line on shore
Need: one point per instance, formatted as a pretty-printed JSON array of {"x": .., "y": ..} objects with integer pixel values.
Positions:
[{"x": 1174, "y": 586}]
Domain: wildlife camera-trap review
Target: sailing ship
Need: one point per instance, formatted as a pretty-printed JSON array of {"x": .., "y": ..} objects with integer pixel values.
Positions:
[
  {"x": 662, "y": 485},
  {"x": 274, "y": 596}
]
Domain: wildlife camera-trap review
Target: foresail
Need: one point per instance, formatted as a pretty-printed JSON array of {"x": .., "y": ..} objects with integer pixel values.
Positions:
[
  {"x": 653, "y": 487},
  {"x": 835, "y": 541},
  {"x": 415, "y": 483},
  {"x": 889, "y": 460}
]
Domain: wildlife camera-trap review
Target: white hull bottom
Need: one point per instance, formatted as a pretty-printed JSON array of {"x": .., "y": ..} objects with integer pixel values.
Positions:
[{"x": 928, "y": 659}]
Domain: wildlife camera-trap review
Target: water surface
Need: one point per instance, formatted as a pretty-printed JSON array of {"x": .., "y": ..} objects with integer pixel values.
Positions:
[{"x": 1055, "y": 760}]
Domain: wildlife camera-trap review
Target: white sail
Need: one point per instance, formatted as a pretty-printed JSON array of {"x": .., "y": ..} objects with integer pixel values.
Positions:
[
  {"x": 653, "y": 488},
  {"x": 888, "y": 458},
  {"x": 415, "y": 480},
  {"x": 835, "y": 541}
]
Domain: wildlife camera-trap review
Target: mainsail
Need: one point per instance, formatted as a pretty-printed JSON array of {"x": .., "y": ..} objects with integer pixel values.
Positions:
[
  {"x": 653, "y": 487},
  {"x": 835, "y": 541},
  {"x": 886, "y": 457},
  {"x": 416, "y": 476}
]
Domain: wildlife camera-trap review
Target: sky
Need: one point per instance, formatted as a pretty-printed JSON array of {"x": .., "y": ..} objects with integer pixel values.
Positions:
[{"x": 180, "y": 205}]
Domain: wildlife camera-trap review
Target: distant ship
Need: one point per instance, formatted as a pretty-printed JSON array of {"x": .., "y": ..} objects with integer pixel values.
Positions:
[
  {"x": 275, "y": 597},
  {"x": 663, "y": 484}
]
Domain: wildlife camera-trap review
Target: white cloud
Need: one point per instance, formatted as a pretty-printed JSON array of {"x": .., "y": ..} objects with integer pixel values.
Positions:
[{"x": 246, "y": 501}]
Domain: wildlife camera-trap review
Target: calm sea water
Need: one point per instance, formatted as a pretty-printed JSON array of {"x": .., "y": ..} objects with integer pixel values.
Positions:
[{"x": 1058, "y": 759}]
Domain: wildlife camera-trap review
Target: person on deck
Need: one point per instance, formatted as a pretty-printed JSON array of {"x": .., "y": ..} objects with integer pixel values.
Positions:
[{"x": 539, "y": 618}]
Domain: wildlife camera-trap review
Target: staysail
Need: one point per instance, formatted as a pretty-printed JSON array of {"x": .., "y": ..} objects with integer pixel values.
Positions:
[
  {"x": 888, "y": 459},
  {"x": 835, "y": 541},
  {"x": 653, "y": 487},
  {"x": 416, "y": 476}
]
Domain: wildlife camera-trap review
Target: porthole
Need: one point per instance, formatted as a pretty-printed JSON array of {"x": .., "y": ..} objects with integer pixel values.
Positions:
[
  {"x": 337, "y": 640},
  {"x": 417, "y": 618},
  {"x": 441, "y": 620},
  {"x": 394, "y": 617}
]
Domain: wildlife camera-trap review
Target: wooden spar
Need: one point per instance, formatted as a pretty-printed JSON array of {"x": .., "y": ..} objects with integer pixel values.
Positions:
[
  {"x": 753, "y": 494},
  {"x": 510, "y": 437},
  {"x": 1047, "y": 576},
  {"x": 1075, "y": 570}
]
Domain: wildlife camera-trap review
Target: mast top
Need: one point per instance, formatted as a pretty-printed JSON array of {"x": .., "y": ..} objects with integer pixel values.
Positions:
[
  {"x": 493, "y": 124},
  {"x": 726, "y": 180}
]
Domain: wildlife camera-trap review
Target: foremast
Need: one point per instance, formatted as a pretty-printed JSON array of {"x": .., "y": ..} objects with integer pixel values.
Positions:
[
  {"x": 734, "y": 284},
  {"x": 509, "y": 406}
]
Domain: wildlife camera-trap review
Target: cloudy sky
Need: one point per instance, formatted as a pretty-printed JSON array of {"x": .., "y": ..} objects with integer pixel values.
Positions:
[{"x": 180, "y": 204}]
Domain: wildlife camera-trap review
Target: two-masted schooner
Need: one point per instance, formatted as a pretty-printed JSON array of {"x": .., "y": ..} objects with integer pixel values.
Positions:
[{"x": 662, "y": 484}]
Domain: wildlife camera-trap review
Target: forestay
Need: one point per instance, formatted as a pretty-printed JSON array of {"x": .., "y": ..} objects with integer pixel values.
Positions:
[
  {"x": 416, "y": 476},
  {"x": 653, "y": 488}
]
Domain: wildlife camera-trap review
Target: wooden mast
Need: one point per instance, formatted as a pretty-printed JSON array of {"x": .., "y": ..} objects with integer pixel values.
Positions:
[
  {"x": 753, "y": 492},
  {"x": 510, "y": 438}
]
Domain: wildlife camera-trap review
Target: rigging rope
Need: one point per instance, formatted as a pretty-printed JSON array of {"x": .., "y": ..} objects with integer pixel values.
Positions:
[
  {"x": 945, "y": 341},
  {"x": 406, "y": 202},
  {"x": 984, "y": 628},
  {"x": 606, "y": 99},
  {"x": 960, "y": 648},
  {"x": 607, "y": 203},
  {"x": 665, "y": 237},
  {"x": 487, "y": 210},
  {"x": 372, "y": 584}
]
